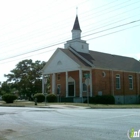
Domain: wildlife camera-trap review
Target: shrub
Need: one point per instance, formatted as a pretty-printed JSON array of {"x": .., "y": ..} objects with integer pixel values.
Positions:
[
  {"x": 108, "y": 99},
  {"x": 9, "y": 98},
  {"x": 51, "y": 98},
  {"x": 104, "y": 99},
  {"x": 40, "y": 97}
]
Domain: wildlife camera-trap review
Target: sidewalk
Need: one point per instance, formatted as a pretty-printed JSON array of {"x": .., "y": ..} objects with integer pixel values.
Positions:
[{"x": 21, "y": 103}]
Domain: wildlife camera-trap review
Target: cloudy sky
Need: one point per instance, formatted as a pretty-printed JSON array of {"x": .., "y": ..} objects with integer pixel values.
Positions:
[{"x": 34, "y": 29}]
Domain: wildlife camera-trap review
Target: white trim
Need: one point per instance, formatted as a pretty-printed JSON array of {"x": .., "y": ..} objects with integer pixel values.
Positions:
[
  {"x": 119, "y": 81},
  {"x": 68, "y": 64},
  {"x": 66, "y": 84},
  {"x": 91, "y": 83},
  {"x": 80, "y": 83},
  {"x": 129, "y": 82},
  {"x": 98, "y": 68},
  {"x": 112, "y": 83},
  {"x": 71, "y": 49},
  {"x": 42, "y": 83},
  {"x": 53, "y": 83},
  {"x": 83, "y": 87}
]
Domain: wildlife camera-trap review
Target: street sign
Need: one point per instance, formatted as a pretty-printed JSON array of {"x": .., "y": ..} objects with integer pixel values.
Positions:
[{"x": 87, "y": 81}]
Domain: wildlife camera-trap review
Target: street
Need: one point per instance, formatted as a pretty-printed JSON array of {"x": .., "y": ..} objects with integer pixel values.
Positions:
[{"x": 18, "y": 123}]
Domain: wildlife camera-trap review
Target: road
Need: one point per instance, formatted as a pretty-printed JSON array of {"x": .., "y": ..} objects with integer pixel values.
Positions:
[{"x": 67, "y": 123}]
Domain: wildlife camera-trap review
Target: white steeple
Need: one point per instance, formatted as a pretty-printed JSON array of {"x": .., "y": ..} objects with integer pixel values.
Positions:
[
  {"x": 76, "y": 43},
  {"x": 76, "y": 31}
]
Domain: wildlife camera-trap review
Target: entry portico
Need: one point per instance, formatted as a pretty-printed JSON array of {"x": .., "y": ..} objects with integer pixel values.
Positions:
[{"x": 67, "y": 74}]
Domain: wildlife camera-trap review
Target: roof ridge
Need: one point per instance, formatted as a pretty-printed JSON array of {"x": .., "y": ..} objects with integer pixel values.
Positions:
[{"x": 112, "y": 54}]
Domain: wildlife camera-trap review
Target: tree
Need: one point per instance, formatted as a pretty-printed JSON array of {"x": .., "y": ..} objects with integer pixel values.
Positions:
[
  {"x": 5, "y": 88},
  {"x": 26, "y": 77}
]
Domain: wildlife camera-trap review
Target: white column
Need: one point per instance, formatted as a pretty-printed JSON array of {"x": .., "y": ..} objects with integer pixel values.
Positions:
[
  {"x": 91, "y": 83},
  {"x": 66, "y": 84},
  {"x": 80, "y": 83},
  {"x": 53, "y": 83},
  {"x": 42, "y": 83}
]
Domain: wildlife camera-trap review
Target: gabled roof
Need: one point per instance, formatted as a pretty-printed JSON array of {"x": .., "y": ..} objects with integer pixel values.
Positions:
[
  {"x": 76, "y": 25},
  {"x": 115, "y": 62},
  {"x": 105, "y": 61},
  {"x": 75, "y": 58}
]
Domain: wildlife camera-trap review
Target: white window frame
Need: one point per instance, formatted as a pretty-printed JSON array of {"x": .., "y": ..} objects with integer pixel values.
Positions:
[
  {"x": 83, "y": 87},
  {"x": 118, "y": 85},
  {"x": 130, "y": 84},
  {"x": 58, "y": 76}
]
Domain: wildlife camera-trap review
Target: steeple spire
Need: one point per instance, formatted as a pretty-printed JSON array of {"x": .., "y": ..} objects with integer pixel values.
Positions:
[
  {"x": 76, "y": 43},
  {"x": 76, "y": 31},
  {"x": 76, "y": 25}
]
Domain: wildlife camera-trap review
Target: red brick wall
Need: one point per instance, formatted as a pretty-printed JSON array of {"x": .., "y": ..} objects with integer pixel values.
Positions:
[
  {"x": 104, "y": 84},
  {"x": 101, "y": 83}
]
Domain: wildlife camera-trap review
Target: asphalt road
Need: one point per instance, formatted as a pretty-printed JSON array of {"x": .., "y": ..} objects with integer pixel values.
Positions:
[{"x": 67, "y": 123}]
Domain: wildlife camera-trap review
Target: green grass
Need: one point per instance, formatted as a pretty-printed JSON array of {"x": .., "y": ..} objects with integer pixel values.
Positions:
[{"x": 32, "y": 104}]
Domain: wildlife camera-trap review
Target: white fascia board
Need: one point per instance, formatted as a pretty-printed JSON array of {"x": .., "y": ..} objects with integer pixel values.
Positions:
[{"x": 68, "y": 64}]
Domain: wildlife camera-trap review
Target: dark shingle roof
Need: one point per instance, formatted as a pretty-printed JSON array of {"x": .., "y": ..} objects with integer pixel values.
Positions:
[
  {"x": 116, "y": 62},
  {"x": 76, "y": 25},
  {"x": 106, "y": 61}
]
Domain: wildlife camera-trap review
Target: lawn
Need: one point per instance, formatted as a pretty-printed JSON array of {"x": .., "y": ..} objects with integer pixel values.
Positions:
[{"x": 23, "y": 103}]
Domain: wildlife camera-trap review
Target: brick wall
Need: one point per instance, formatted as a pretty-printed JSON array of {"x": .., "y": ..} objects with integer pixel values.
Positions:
[
  {"x": 106, "y": 83},
  {"x": 102, "y": 81}
]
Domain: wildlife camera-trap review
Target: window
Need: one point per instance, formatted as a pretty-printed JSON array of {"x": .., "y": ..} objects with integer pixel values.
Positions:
[
  {"x": 130, "y": 82},
  {"x": 118, "y": 85},
  {"x": 103, "y": 74},
  {"x": 58, "y": 76},
  {"x": 84, "y": 87}
]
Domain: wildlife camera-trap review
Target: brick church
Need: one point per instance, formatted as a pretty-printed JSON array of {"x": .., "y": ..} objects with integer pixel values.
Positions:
[{"x": 75, "y": 70}]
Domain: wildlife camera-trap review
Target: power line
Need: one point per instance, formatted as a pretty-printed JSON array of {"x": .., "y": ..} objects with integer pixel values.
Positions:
[
  {"x": 82, "y": 37},
  {"x": 87, "y": 39},
  {"x": 95, "y": 29},
  {"x": 113, "y": 32},
  {"x": 86, "y": 16}
]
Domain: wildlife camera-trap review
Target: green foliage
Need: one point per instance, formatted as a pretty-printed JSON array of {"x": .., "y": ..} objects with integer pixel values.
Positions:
[
  {"x": 9, "y": 98},
  {"x": 5, "y": 87},
  {"x": 40, "y": 97},
  {"x": 104, "y": 99},
  {"x": 51, "y": 98},
  {"x": 65, "y": 99},
  {"x": 26, "y": 77}
]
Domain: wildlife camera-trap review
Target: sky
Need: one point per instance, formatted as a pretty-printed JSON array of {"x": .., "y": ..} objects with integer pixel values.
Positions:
[{"x": 34, "y": 29}]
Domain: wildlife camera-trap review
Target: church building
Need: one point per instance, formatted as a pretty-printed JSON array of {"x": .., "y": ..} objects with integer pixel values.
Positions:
[{"x": 77, "y": 72}]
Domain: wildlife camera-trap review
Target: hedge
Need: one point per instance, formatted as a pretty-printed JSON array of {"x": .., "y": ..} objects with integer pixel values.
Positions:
[
  {"x": 104, "y": 99},
  {"x": 51, "y": 98},
  {"x": 40, "y": 97},
  {"x": 9, "y": 98}
]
